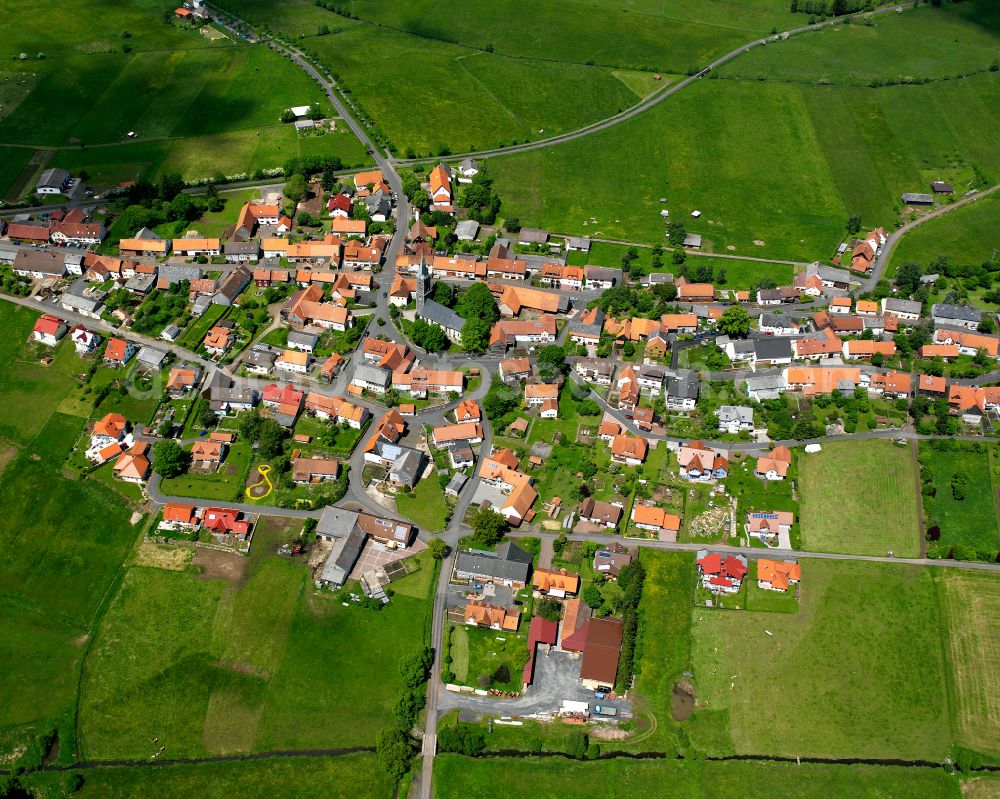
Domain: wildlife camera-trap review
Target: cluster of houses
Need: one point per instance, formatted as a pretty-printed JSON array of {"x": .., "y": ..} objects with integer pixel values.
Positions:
[
  {"x": 596, "y": 642},
  {"x": 723, "y": 573},
  {"x": 112, "y": 440},
  {"x": 386, "y": 365},
  {"x": 61, "y": 228},
  {"x": 225, "y": 524}
]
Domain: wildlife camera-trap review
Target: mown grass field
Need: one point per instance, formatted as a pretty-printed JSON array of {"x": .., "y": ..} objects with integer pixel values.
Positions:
[
  {"x": 63, "y": 541},
  {"x": 967, "y": 235},
  {"x": 349, "y": 777},
  {"x": 971, "y": 520},
  {"x": 860, "y": 671},
  {"x": 971, "y": 603},
  {"x": 425, "y": 506},
  {"x": 928, "y": 42},
  {"x": 859, "y": 498},
  {"x": 455, "y": 775},
  {"x": 243, "y": 662},
  {"x": 842, "y": 150}
]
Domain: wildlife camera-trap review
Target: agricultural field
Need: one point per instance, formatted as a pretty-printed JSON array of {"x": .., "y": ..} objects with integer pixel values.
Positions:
[
  {"x": 455, "y": 775},
  {"x": 971, "y": 606},
  {"x": 842, "y": 486},
  {"x": 868, "y": 684},
  {"x": 711, "y": 146},
  {"x": 427, "y": 95},
  {"x": 931, "y": 42},
  {"x": 193, "y": 103},
  {"x": 963, "y": 504},
  {"x": 53, "y": 582},
  {"x": 251, "y": 658},
  {"x": 665, "y": 37},
  {"x": 353, "y": 776},
  {"x": 966, "y": 236}
]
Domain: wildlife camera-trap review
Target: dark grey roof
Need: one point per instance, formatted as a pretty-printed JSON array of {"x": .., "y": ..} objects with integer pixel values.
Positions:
[
  {"x": 917, "y": 199},
  {"x": 603, "y": 274},
  {"x": 652, "y": 372},
  {"x": 48, "y": 262},
  {"x": 175, "y": 273},
  {"x": 963, "y": 313},
  {"x": 371, "y": 374},
  {"x": 141, "y": 283},
  {"x": 903, "y": 306},
  {"x": 468, "y": 163},
  {"x": 692, "y": 240},
  {"x": 772, "y": 349},
  {"x": 250, "y": 247},
  {"x": 302, "y": 338},
  {"x": 151, "y": 356},
  {"x": 599, "y": 365},
  {"x": 683, "y": 387},
  {"x": 578, "y": 243},
  {"x": 342, "y": 557},
  {"x": 147, "y": 235},
  {"x": 766, "y": 382},
  {"x": 232, "y": 285},
  {"x": 741, "y": 413},
  {"x": 467, "y": 229},
  {"x": 777, "y": 320},
  {"x": 765, "y": 295},
  {"x": 456, "y": 484},
  {"x": 509, "y": 562},
  {"x": 438, "y": 314},
  {"x": 407, "y": 467},
  {"x": 530, "y": 235},
  {"x": 53, "y": 179},
  {"x": 655, "y": 278}
]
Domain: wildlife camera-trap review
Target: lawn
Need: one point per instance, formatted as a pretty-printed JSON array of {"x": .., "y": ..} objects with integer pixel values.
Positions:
[
  {"x": 712, "y": 146},
  {"x": 24, "y": 382},
  {"x": 425, "y": 506},
  {"x": 971, "y": 605},
  {"x": 859, "y": 497},
  {"x": 496, "y": 778},
  {"x": 932, "y": 42},
  {"x": 257, "y": 662},
  {"x": 55, "y": 571},
  {"x": 491, "y": 653},
  {"x": 347, "y": 777},
  {"x": 862, "y": 684},
  {"x": 195, "y": 333},
  {"x": 966, "y": 235},
  {"x": 12, "y": 161},
  {"x": 968, "y": 518},
  {"x": 225, "y": 484}
]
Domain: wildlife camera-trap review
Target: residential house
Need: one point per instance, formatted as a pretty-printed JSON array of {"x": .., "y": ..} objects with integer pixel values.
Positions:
[
  {"x": 721, "y": 574},
  {"x": 768, "y": 525},
  {"x": 895, "y": 385},
  {"x": 241, "y": 252},
  {"x": 48, "y": 330},
  {"x": 593, "y": 370},
  {"x": 656, "y": 520},
  {"x": 307, "y": 471},
  {"x": 699, "y": 462},
  {"x": 611, "y": 559},
  {"x": 605, "y": 514},
  {"x": 628, "y": 449},
  {"x": 777, "y": 575},
  {"x": 207, "y": 455},
  {"x": 450, "y": 434},
  {"x": 558, "y": 583},
  {"x": 468, "y": 411},
  {"x": 218, "y": 340},
  {"x": 764, "y": 387},
  {"x": 371, "y": 378},
  {"x": 509, "y": 565},
  {"x": 118, "y": 352},
  {"x": 525, "y": 333},
  {"x": 772, "y": 324},
  {"x": 956, "y": 315},
  {"x": 904, "y": 310},
  {"x": 293, "y": 361},
  {"x": 193, "y": 247},
  {"x": 682, "y": 393},
  {"x": 815, "y": 349},
  {"x": 969, "y": 343},
  {"x": 819, "y": 380},
  {"x": 232, "y": 286},
  {"x": 735, "y": 419},
  {"x": 133, "y": 464},
  {"x": 774, "y": 465},
  {"x": 514, "y": 299},
  {"x": 537, "y": 393},
  {"x": 492, "y": 617},
  {"x": 929, "y": 385},
  {"x": 598, "y": 278},
  {"x": 439, "y": 188},
  {"x": 514, "y": 369},
  {"x": 421, "y": 382},
  {"x": 181, "y": 380},
  {"x": 500, "y": 471},
  {"x": 864, "y": 349},
  {"x": 85, "y": 341},
  {"x": 695, "y": 292},
  {"x": 39, "y": 264}
]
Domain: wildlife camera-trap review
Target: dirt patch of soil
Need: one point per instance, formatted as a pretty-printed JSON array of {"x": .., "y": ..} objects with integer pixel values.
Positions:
[
  {"x": 217, "y": 565},
  {"x": 163, "y": 556},
  {"x": 607, "y": 733},
  {"x": 7, "y": 453},
  {"x": 758, "y": 242},
  {"x": 243, "y": 668},
  {"x": 682, "y": 701}
]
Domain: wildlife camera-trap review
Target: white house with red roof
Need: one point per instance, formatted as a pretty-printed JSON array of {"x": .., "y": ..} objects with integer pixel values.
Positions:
[
  {"x": 85, "y": 341},
  {"x": 721, "y": 574},
  {"x": 226, "y": 522},
  {"x": 698, "y": 462},
  {"x": 48, "y": 330}
]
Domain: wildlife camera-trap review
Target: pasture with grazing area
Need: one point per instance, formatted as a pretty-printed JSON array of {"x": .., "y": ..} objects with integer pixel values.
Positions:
[
  {"x": 934, "y": 42},
  {"x": 713, "y": 145},
  {"x": 972, "y": 609},
  {"x": 860, "y": 498},
  {"x": 967, "y": 236},
  {"x": 499, "y": 778},
  {"x": 861, "y": 663}
]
